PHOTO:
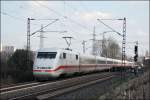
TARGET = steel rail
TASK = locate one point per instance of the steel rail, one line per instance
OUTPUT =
(52, 86)
(18, 86)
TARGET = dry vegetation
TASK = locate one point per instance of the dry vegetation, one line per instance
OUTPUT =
(135, 89)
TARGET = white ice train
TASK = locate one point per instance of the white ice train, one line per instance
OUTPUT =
(52, 62)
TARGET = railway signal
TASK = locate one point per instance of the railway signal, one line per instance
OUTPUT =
(135, 58)
(135, 49)
(136, 53)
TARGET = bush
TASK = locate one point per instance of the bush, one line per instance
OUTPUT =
(18, 67)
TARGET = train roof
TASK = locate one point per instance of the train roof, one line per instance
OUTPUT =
(70, 51)
(47, 49)
(56, 50)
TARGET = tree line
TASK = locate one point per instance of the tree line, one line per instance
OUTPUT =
(110, 49)
(14, 67)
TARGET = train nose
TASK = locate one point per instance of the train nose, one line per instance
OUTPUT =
(45, 74)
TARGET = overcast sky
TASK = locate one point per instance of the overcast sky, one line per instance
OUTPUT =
(77, 18)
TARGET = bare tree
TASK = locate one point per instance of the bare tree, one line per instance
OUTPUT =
(110, 48)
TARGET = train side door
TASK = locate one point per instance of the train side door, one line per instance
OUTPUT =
(77, 62)
(64, 58)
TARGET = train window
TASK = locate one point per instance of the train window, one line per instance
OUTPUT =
(76, 57)
(116, 62)
(50, 55)
(109, 62)
(64, 55)
(101, 62)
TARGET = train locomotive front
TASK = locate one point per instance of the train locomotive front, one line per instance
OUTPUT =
(46, 63)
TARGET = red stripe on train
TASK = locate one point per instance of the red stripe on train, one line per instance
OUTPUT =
(58, 68)
(76, 66)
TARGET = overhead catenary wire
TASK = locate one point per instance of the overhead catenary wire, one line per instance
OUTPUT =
(44, 27)
(14, 17)
(75, 9)
(77, 42)
(70, 28)
(65, 13)
(11, 13)
(109, 27)
(59, 14)
(22, 19)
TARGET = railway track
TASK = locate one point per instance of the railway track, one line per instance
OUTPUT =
(14, 84)
(14, 87)
(66, 89)
(50, 89)
(10, 87)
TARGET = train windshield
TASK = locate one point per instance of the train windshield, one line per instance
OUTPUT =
(50, 55)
